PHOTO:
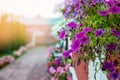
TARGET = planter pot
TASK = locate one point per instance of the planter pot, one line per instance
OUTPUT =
(80, 69)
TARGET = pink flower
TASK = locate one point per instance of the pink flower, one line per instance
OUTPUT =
(69, 78)
(52, 78)
(67, 66)
(57, 79)
(52, 70)
(49, 54)
(61, 70)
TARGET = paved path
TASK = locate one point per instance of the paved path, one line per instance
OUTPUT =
(31, 66)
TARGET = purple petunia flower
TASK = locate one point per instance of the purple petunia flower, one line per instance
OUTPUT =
(62, 34)
(118, 9)
(76, 45)
(109, 2)
(80, 34)
(99, 32)
(68, 9)
(113, 31)
(116, 33)
(74, 1)
(103, 13)
(81, 25)
(107, 66)
(114, 75)
(84, 39)
(114, 9)
(87, 30)
(66, 54)
(77, 7)
(94, 2)
(57, 61)
(72, 25)
(111, 46)
(115, 62)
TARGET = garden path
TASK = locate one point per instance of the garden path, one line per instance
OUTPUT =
(31, 66)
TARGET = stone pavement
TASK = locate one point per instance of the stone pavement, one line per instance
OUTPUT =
(31, 66)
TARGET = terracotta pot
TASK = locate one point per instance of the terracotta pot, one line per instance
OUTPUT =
(80, 68)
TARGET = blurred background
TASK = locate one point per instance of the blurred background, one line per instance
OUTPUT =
(26, 21)
(27, 35)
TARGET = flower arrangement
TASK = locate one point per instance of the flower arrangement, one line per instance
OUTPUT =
(58, 67)
(94, 28)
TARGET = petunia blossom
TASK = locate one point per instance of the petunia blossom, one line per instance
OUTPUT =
(94, 1)
(87, 29)
(68, 9)
(76, 45)
(109, 2)
(116, 33)
(57, 61)
(84, 40)
(107, 66)
(115, 62)
(72, 25)
(52, 70)
(75, 1)
(62, 34)
(69, 78)
(81, 25)
(80, 34)
(66, 54)
(61, 70)
(99, 32)
(114, 75)
(77, 7)
(111, 46)
(114, 9)
(67, 67)
(103, 13)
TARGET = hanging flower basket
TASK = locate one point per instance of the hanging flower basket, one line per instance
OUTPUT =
(95, 27)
